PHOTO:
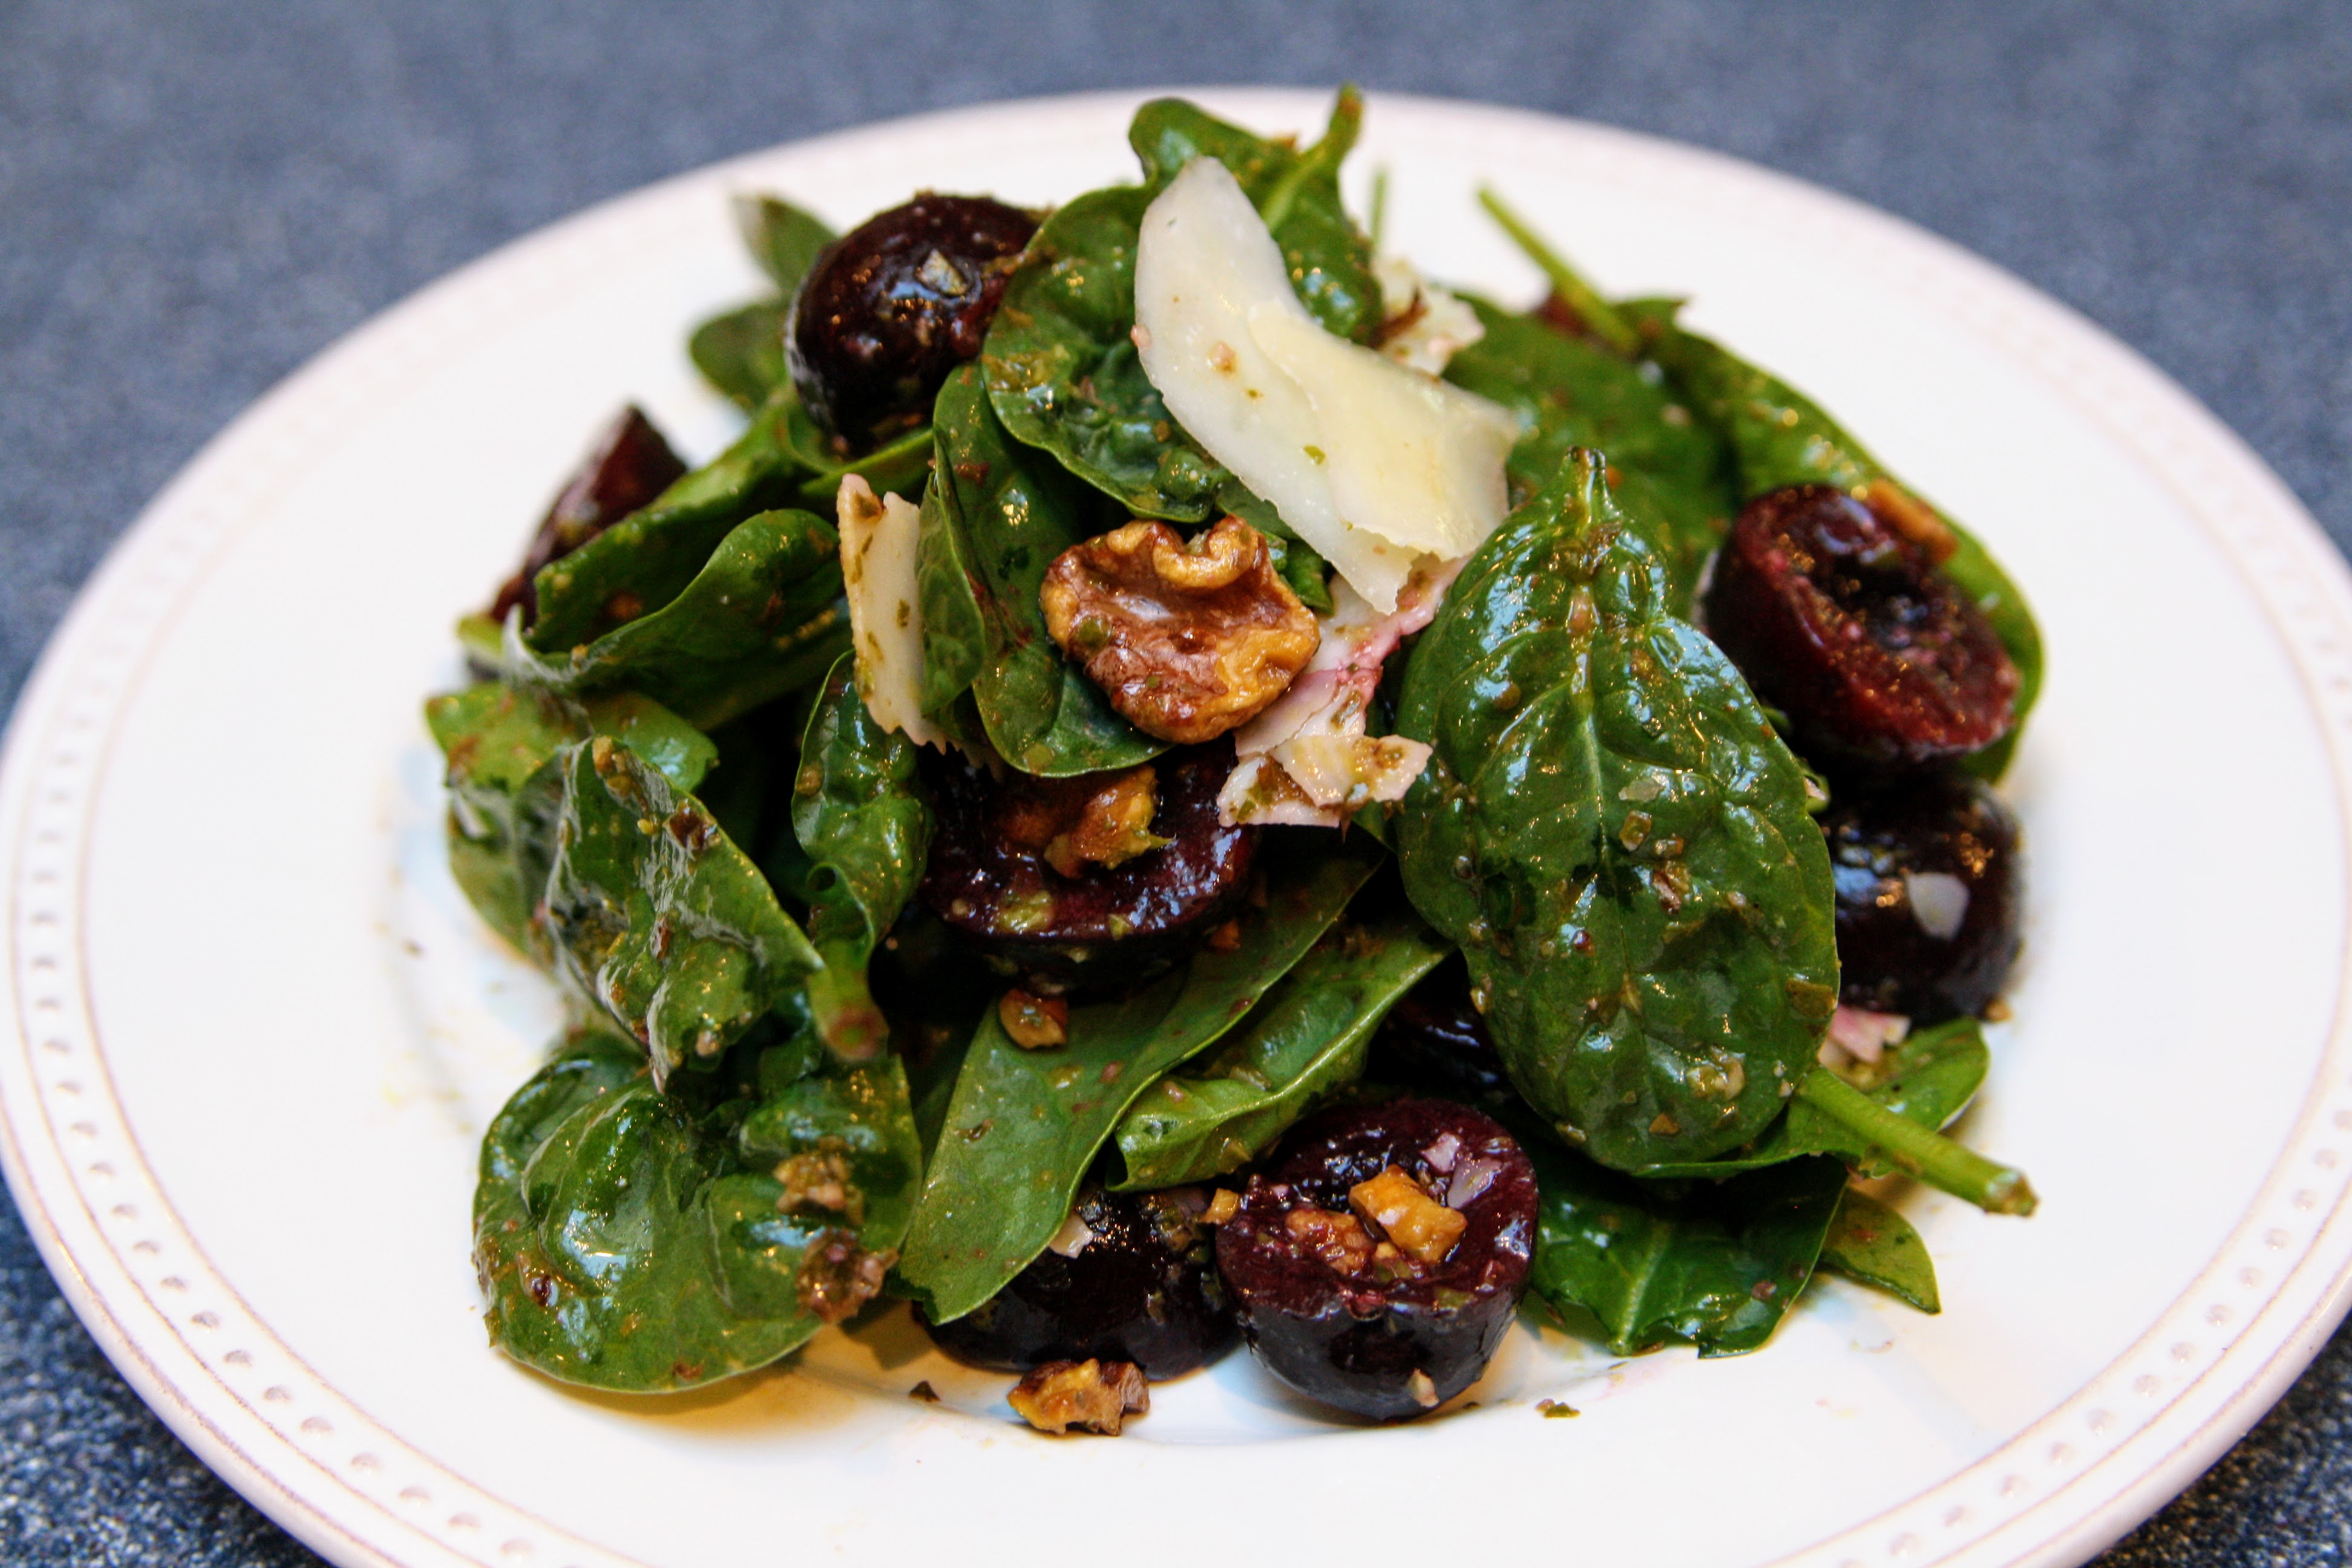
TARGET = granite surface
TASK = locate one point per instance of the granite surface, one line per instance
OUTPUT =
(194, 198)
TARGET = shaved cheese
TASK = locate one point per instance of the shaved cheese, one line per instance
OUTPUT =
(1374, 465)
(1423, 326)
(885, 618)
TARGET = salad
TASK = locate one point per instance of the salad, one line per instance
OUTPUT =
(1182, 786)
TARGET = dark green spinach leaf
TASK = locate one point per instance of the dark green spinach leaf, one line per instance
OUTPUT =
(636, 1241)
(1929, 1079)
(761, 619)
(1671, 468)
(499, 742)
(860, 816)
(658, 918)
(1616, 837)
(1869, 1242)
(1024, 1126)
(995, 516)
(1716, 1264)
(1781, 437)
(1304, 1042)
(742, 351)
(645, 559)
(783, 239)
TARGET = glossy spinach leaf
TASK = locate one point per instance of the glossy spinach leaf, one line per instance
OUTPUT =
(742, 352)
(1305, 1041)
(1869, 1242)
(859, 814)
(499, 742)
(761, 619)
(995, 516)
(1718, 1265)
(1930, 1077)
(1616, 837)
(1297, 192)
(658, 918)
(1780, 437)
(636, 1241)
(645, 559)
(901, 464)
(1023, 1127)
(1672, 471)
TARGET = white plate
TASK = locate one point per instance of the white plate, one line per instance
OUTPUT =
(257, 1034)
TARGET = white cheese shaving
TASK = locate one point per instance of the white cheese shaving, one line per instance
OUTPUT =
(1372, 464)
(1422, 325)
(885, 618)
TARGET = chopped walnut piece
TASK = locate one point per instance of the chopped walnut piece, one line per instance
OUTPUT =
(1092, 1395)
(1417, 1222)
(819, 1179)
(1033, 1023)
(1187, 638)
(1339, 1239)
(1113, 827)
(1101, 819)
(838, 1277)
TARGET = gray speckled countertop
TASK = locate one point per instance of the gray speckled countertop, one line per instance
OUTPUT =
(197, 198)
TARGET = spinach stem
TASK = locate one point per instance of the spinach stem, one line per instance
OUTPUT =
(1379, 218)
(1580, 296)
(1917, 1151)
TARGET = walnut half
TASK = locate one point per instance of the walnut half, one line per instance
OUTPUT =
(1188, 638)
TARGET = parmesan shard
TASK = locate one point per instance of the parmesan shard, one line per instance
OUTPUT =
(886, 617)
(1374, 465)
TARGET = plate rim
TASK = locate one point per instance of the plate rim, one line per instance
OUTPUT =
(2114, 1470)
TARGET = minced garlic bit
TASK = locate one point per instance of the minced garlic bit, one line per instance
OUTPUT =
(1424, 1391)
(1417, 1222)
(1091, 1396)
(1033, 1023)
(1222, 1207)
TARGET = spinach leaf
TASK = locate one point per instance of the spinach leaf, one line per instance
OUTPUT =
(646, 559)
(1781, 437)
(1869, 1242)
(499, 742)
(1298, 194)
(1929, 1079)
(1024, 1126)
(859, 814)
(899, 464)
(636, 1241)
(1674, 472)
(658, 918)
(1060, 360)
(1718, 1265)
(761, 619)
(742, 352)
(1615, 837)
(1306, 1040)
(782, 238)
(995, 516)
